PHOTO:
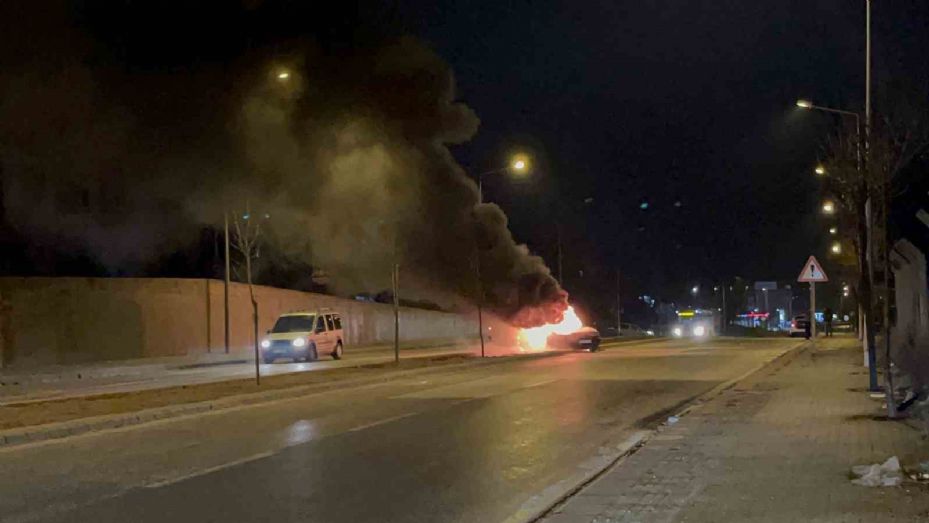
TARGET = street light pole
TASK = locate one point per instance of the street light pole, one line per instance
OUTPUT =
(395, 281)
(558, 234)
(226, 281)
(725, 318)
(866, 275)
(619, 303)
(477, 263)
(519, 163)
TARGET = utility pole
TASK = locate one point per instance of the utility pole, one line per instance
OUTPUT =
(813, 311)
(619, 304)
(885, 206)
(396, 291)
(869, 216)
(725, 320)
(226, 282)
(477, 265)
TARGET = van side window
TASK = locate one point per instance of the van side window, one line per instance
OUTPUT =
(338, 321)
(329, 322)
(321, 324)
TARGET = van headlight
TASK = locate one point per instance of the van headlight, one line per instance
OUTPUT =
(677, 331)
(265, 344)
(699, 330)
(299, 342)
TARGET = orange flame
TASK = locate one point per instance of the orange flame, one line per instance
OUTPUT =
(537, 337)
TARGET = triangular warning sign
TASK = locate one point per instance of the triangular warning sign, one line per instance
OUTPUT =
(812, 272)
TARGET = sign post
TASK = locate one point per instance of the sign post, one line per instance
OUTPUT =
(812, 273)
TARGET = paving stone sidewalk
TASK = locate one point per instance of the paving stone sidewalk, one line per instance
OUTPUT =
(777, 447)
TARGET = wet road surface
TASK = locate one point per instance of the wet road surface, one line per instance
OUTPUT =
(476, 444)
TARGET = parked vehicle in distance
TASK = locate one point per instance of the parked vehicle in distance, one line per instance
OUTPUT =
(799, 326)
(303, 336)
(585, 338)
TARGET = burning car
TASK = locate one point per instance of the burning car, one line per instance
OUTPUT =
(585, 338)
(569, 333)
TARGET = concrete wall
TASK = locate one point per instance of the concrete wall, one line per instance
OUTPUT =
(72, 320)
(910, 333)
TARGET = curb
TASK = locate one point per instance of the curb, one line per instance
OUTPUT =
(641, 438)
(58, 430)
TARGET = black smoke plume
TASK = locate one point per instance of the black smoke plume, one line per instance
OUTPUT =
(342, 149)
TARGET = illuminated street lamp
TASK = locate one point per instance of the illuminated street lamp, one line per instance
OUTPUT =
(695, 290)
(836, 248)
(283, 74)
(806, 104)
(828, 207)
(519, 164)
(833, 230)
(820, 170)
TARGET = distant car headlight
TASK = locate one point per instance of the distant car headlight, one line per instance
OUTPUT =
(299, 342)
(649, 332)
(677, 331)
(265, 344)
(699, 330)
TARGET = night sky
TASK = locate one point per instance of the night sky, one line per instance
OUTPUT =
(668, 101)
(664, 133)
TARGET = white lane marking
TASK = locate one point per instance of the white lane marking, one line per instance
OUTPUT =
(402, 416)
(208, 470)
(543, 382)
(383, 421)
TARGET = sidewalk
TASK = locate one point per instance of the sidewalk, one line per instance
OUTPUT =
(126, 375)
(141, 366)
(777, 447)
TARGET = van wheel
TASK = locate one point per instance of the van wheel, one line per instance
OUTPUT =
(337, 353)
(311, 354)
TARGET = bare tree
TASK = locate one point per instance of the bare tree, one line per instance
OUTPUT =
(849, 184)
(899, 133)
(246, 241)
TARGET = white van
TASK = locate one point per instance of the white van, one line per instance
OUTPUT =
(303, 336)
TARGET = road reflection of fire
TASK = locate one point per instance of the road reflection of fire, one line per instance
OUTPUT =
(537, 337)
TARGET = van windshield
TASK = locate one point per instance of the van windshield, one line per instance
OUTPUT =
(294, 324)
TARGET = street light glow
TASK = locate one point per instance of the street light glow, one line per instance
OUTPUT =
(806, 104)
(519, 163)
(828, 207)
(283, 75)
(695, 290)
(820, 170)
(836, 248)
(833, 230)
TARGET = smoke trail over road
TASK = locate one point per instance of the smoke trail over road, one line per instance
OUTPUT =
(345, 150)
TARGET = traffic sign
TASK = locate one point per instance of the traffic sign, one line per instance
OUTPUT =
(812, 272)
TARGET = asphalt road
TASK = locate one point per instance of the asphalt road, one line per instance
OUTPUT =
(480, 444)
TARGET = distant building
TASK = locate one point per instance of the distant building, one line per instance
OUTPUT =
(771, 306)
